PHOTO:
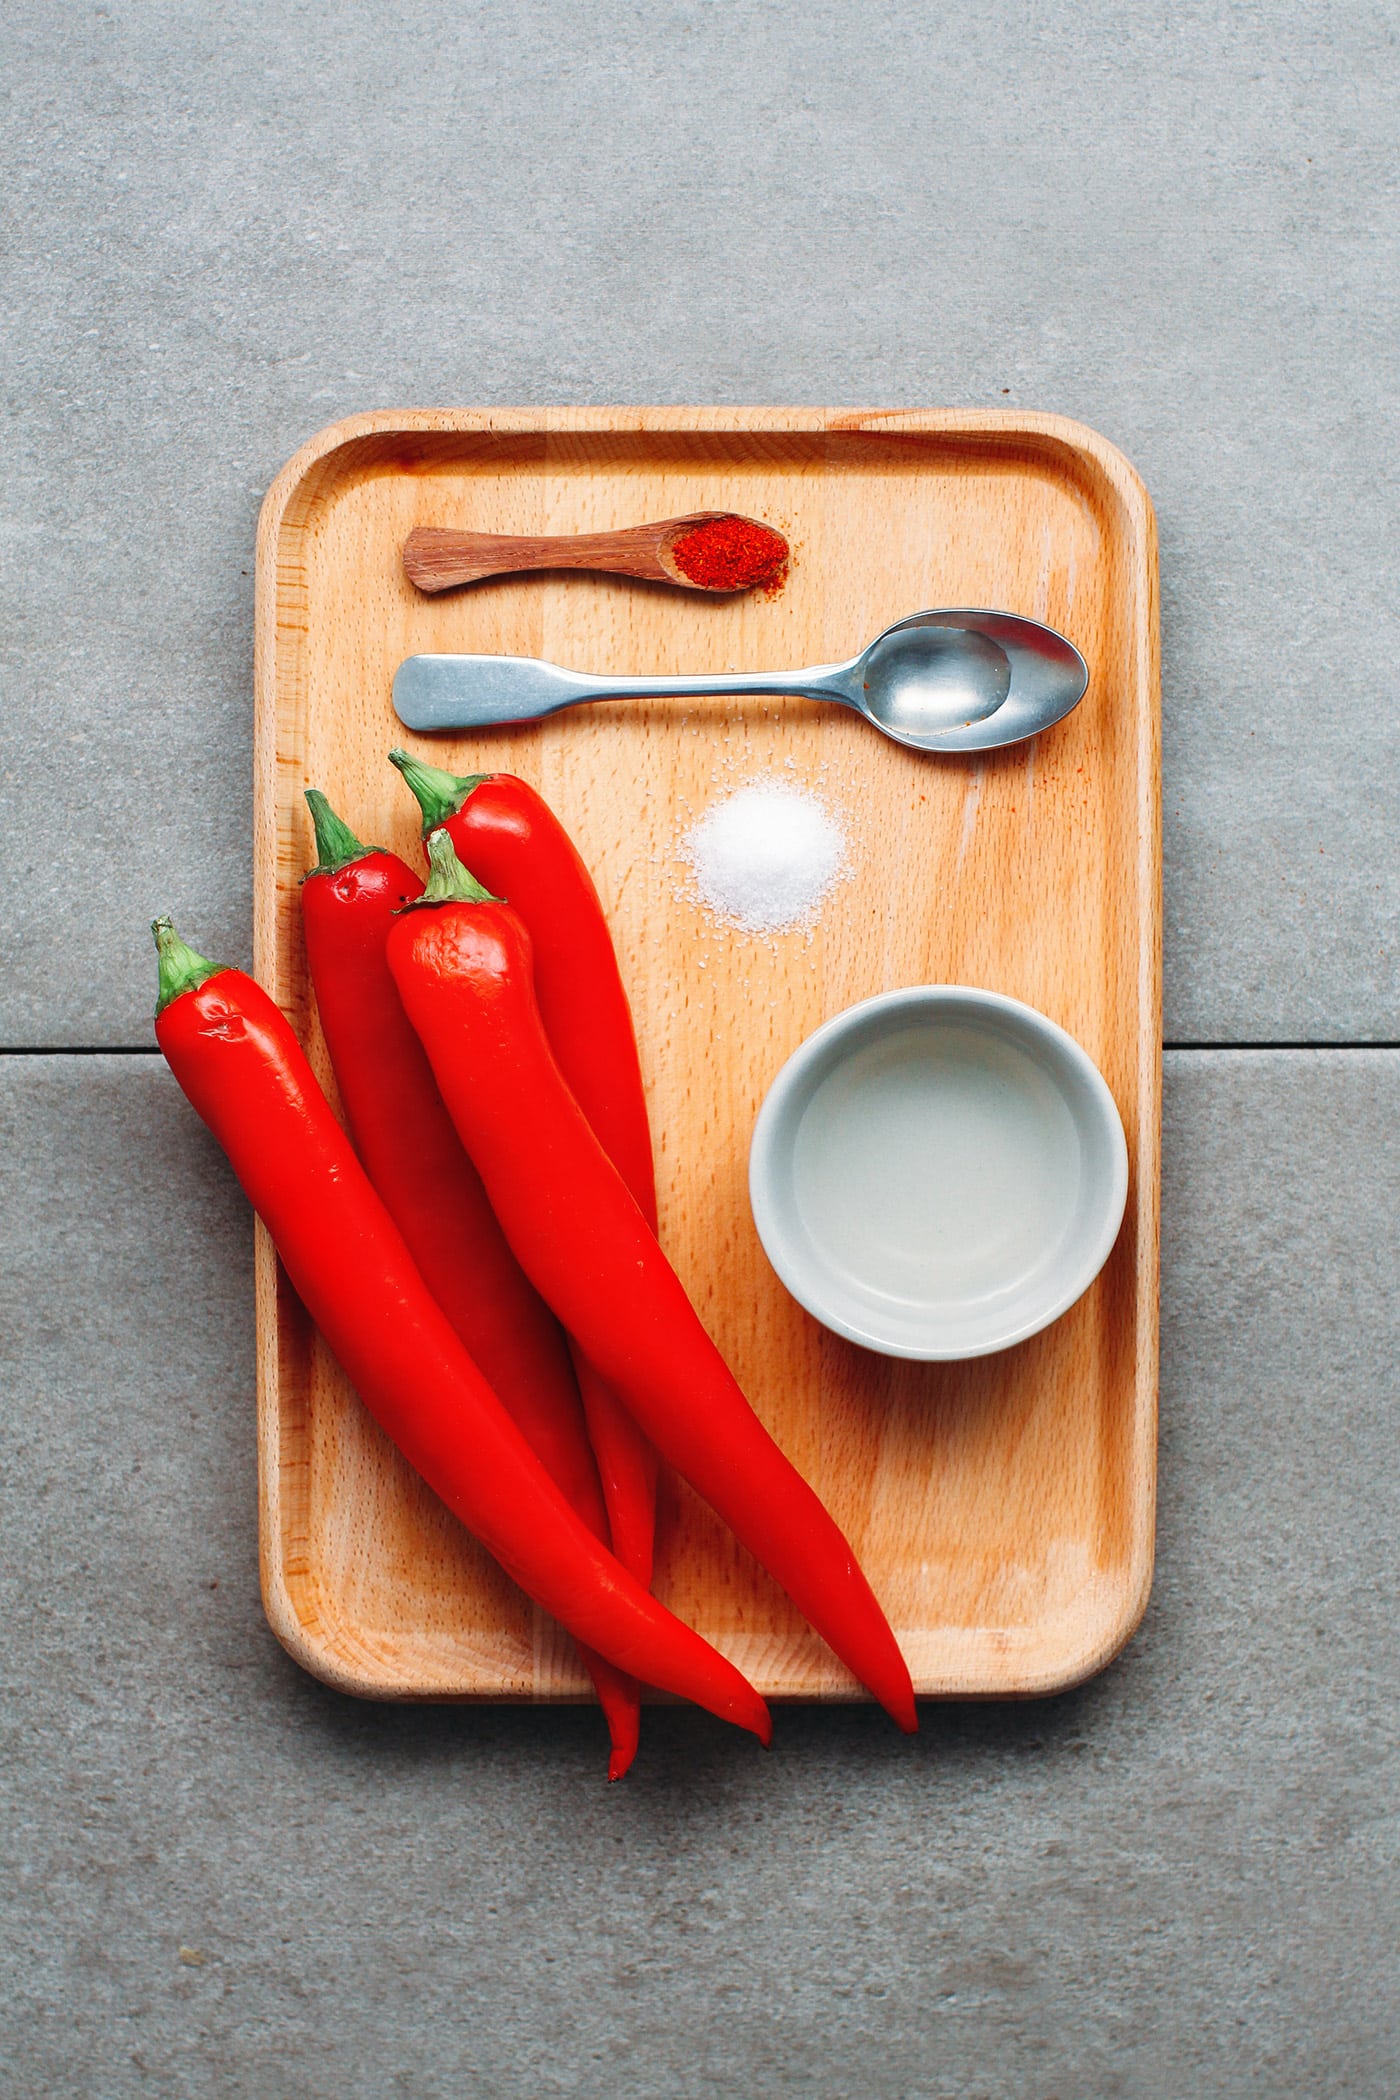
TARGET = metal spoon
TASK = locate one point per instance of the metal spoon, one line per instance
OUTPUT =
(938, 681)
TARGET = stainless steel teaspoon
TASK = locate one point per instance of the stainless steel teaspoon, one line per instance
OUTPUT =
(938, 681)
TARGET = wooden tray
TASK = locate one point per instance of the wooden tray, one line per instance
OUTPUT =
(1003, 1508)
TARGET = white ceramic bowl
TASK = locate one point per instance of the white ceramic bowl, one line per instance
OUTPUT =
(938, 1172)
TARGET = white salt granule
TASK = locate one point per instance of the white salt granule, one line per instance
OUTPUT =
(764, 858)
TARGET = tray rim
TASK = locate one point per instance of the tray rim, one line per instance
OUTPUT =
(300, 1635)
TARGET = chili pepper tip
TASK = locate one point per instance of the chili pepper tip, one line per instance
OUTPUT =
(897, 1698)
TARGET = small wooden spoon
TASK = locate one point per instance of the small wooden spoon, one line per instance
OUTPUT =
(436, 559)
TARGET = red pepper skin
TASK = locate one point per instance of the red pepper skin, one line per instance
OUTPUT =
(414, 1158)
(513, 843)
(626, 1468)
(243, 1070)
(464, 973)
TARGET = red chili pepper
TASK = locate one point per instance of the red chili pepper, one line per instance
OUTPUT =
(433, 1193)
(461, 960)
(512, 841)
(245, 1073)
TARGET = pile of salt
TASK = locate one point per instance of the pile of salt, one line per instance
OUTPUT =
(764, 858)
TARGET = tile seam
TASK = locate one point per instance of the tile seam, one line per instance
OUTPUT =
(20, 1050)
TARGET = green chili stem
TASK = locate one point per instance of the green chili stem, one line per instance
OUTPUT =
(182, 968)
(448, 881)
(440, 795)
(336, 844)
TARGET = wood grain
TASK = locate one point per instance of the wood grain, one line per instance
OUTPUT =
(1003, 1508)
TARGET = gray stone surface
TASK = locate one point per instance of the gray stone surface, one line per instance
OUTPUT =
(1181, 1880)
(226, 226)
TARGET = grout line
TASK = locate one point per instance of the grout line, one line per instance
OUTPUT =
(79, 1050)
(1382, 1044)
(153, 1049)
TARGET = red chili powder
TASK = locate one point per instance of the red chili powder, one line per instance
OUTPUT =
(732, 554)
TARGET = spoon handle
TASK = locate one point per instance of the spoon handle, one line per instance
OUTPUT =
(484, 692)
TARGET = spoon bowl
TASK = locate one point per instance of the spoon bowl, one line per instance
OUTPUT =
(919, 681)
(968, 680)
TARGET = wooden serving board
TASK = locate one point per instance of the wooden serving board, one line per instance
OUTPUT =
(1003, 1508)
